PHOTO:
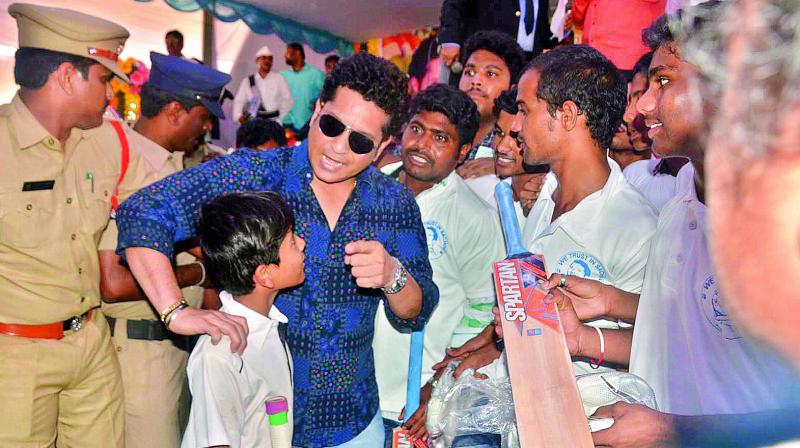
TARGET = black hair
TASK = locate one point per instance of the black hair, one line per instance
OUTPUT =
(377, 80)
(581, 74)
(298, 47)
(176, 34)
(333, 57)
(239, 232)
(658, 33)
(501, 44)
(32, 66)
(257, 131)
(506, 102)
(154, 100)
(642, 66)
(459, 109)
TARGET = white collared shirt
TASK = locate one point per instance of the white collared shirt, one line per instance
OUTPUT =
(464, 239)
(685, 345)
(275, 95)
(658, 188)
(483, 187)
(229, 391)
(606, 237)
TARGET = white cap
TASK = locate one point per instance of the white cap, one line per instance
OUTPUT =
(264, 51)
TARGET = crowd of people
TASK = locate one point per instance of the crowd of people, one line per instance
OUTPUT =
(655, 169)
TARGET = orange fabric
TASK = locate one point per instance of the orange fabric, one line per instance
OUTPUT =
(47, 331)
(614, 27)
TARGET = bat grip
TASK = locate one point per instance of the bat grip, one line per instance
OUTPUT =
(508, 218)
(414, 373)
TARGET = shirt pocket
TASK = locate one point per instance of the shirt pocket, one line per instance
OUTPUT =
(26, 219)
(96, 203)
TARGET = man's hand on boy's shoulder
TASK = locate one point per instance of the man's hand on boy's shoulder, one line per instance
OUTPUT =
(370, 264)
(192, 321)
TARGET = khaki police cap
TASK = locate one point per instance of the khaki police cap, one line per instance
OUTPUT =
(70, 32)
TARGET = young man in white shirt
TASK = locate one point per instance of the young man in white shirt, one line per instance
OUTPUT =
(588, 221)
(684, 345)
(251, 252)
(464, 239)
(263, 94)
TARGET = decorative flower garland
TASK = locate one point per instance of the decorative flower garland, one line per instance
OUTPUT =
(126, 99)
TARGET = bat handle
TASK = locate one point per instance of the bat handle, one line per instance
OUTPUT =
(508, 218)
(414, 373)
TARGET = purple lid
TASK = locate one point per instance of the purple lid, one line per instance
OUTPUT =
(277, 405)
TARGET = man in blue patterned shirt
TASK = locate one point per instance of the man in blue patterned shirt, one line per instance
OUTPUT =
(365, 242)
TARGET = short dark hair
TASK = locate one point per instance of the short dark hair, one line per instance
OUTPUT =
(377, 80)
(176, 34)
(506, 102)
(669, 29)
(658, 33)
(581, 74)
(459, 109)
(298, 47)
(239, 232)
(501, 44)
(333, 57)
(32, 66)
(642, 66)
(154, 100)
(254, 133)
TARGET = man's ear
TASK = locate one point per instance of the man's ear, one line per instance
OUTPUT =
(264, 276)
(174, 112)
(65, 77)
(381, 147)
(569, 115)
(463, 151)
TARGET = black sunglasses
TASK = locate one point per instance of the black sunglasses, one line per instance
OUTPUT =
(332, 127)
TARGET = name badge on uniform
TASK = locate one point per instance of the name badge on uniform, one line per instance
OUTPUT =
(38, 185)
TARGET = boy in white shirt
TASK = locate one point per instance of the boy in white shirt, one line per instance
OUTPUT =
(251, 253)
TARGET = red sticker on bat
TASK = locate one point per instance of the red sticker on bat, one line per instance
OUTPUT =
(518, 283)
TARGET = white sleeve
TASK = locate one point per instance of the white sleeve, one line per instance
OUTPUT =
(241, 99)
(286, 101)
(217, 414)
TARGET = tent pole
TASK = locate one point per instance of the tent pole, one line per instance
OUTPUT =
(208, 39)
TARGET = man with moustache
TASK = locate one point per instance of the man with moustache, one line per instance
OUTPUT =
(364, 243)
(464, 239)
(653, 177)
(684, 346)
(152, 360)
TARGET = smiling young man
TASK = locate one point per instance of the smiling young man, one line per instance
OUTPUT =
(464, 238)
(365, 243)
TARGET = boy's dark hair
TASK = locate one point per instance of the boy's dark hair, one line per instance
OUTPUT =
(501, 44)
(154, 100)
(333, 57)
(298, 47)
(459, 109)
(506, 102)
(581, 74)
(642, 66)
(176, 34)
(239, 232)
(257, 131)
(32, 66)
(669, 29)
(377, 80)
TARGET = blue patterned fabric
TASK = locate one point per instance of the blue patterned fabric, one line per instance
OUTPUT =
(262, 22)
(331, 320)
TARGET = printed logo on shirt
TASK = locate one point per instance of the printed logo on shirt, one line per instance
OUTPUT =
(437, 239)
(712, 308)
(581, 264)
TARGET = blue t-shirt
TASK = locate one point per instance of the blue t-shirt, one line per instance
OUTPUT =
(306, 86)
(331, 319)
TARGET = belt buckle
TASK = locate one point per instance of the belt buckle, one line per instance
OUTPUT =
(76, 323)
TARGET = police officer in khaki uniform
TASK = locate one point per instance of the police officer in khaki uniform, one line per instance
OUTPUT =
(173, 122)
(60, 167)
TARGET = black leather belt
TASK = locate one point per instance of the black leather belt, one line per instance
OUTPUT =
(143, 330)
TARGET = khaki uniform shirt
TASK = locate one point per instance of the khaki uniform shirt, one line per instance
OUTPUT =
(158, 164)
(49, 270)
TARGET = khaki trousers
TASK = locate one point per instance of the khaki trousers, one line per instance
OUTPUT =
(65, 393)
(153, 377)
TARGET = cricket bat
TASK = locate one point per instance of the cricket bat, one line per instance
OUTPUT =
(547, 404)
(413, 385)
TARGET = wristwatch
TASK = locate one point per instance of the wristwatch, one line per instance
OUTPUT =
(400, 280)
